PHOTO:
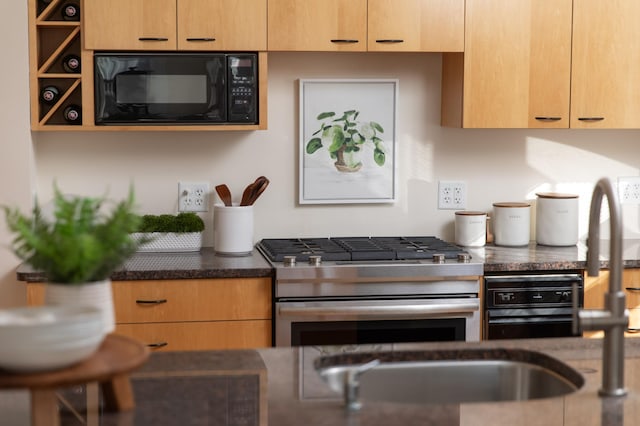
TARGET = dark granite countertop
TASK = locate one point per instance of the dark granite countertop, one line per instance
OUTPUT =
(174, 266)
(279, 387)
(206, 264)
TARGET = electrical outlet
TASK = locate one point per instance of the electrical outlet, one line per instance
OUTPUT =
(193, 196)
(452, 195)
(629, 189)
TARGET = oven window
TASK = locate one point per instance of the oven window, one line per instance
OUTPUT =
(384, 331)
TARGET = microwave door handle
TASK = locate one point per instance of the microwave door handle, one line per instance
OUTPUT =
(407, 311)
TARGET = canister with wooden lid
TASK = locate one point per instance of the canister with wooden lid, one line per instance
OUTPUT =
(556, 219)
(511, 223)
(471, 228)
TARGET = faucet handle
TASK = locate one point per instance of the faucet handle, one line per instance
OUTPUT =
(352, 384)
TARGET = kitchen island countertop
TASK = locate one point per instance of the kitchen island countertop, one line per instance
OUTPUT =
(280, 386)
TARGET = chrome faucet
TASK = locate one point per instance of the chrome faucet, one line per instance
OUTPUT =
(615, 317)
(351, 385)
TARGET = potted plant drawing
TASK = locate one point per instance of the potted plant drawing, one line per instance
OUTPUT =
(77, 247)
(345, 137)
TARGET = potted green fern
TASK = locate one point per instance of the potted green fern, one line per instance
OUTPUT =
(77, 248)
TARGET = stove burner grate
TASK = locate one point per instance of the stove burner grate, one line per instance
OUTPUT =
(359, 248)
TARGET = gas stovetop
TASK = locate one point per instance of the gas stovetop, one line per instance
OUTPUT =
(358, 248)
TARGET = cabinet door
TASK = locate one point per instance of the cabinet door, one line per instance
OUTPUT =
(222, 24)
(416, 25)
(516, 66)
(130, 24)
(605, 90)
(317, 25)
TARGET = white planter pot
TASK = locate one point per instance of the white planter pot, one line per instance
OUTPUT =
(97, 293)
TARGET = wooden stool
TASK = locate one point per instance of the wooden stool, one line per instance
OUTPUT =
(109, 366)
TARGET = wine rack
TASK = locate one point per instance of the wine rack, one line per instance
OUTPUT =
(52, 39)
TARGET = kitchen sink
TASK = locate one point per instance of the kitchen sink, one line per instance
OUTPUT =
(451, 377)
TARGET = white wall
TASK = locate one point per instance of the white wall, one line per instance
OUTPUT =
(15, 139)
(498, 165)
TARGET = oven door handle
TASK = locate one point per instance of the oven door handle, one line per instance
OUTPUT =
(409, 310)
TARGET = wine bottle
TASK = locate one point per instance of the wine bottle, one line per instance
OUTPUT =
(73, 114)
(49, 94)
(70, 11)
(71, 63)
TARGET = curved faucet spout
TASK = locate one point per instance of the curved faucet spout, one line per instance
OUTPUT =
(615, 317)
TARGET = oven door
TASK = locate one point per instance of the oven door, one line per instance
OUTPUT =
(344, 322)
(523, 324)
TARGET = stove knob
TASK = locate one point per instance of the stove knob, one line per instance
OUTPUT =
(464, 257)
(315, 260)
(438, 258)
(289, 260)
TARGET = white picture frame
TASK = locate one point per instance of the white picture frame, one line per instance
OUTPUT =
(354, 162)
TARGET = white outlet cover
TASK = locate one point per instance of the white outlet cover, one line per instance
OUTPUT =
(452, 195)
(193, 196)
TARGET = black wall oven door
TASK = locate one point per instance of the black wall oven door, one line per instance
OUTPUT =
(530, 305)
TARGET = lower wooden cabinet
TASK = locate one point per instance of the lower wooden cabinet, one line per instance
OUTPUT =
(198, 314)
(596, 287)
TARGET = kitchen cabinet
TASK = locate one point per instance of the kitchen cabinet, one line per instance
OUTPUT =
(52, 40)
(358, 25)
(198, 314)
(415, 25)
(605, 88)
(515, 71)
(596, 287)
(175, 24)
(317, 25)
(545, 64)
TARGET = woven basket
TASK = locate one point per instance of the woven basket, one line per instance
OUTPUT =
(169, 241)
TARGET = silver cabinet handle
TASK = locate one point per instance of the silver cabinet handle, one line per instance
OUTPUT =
(366, 311)
(151, 302)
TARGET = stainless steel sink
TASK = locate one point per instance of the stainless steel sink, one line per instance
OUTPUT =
(463, 376)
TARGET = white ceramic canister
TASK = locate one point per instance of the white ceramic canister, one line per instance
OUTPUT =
(471, 228)
(556, 219)
(511, 223)
(233, 230)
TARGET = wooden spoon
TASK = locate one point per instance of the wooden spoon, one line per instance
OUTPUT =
(259, 186)
(225, 194)
(246, 194)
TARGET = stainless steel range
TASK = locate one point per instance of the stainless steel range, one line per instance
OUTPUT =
(359, 290)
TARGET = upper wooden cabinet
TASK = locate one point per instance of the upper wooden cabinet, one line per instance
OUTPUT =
(175, 24)
(545, 64)
(361, 25)
(317, 25)
(515, 72)
(415, 25)
(605, 83)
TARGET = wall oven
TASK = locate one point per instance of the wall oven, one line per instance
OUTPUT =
(175, 88)
(344, 291)
(530, 305)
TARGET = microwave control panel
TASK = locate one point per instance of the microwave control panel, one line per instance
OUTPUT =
(243, 88)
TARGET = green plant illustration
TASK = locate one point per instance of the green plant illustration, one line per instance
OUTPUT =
(345, 136)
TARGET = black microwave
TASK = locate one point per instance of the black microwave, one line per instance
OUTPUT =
(176, 88)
